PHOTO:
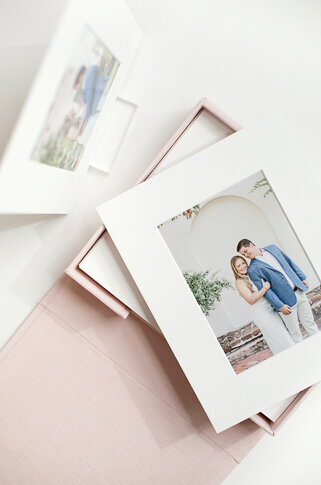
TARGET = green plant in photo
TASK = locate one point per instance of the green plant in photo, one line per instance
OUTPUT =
(206, 288)
(262, 183)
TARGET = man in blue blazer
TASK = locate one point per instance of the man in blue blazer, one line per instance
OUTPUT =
(288, 285)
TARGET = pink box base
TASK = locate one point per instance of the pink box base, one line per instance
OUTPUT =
(88, 397)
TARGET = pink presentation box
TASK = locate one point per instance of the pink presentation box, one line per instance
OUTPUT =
(74, 271)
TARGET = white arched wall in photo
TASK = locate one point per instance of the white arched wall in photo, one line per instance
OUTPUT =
(215, 232)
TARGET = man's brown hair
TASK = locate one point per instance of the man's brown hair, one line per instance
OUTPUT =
(243, 243)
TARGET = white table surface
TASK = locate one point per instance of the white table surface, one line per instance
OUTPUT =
(250, 58)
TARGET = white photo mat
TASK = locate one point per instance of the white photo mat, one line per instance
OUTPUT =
(268, 146)
(27, 186)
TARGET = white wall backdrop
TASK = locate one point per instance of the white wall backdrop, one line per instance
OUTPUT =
(209, 240)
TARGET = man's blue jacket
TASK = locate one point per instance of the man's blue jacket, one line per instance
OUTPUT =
(281, 292)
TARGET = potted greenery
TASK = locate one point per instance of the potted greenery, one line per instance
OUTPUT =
(206, 288)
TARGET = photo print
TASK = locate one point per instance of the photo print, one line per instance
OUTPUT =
(77, 104)
(248, 271)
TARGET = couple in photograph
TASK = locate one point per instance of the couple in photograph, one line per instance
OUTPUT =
(275, 288)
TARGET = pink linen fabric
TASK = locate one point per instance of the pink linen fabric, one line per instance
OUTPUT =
(88, 397)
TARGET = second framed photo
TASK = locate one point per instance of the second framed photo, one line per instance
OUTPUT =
(64, 120)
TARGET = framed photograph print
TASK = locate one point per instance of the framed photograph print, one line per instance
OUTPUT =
(66, 114)
(222, 250)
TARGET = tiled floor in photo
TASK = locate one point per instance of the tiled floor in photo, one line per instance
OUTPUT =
(252, 360)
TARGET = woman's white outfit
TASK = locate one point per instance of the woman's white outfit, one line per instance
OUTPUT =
(271, 325)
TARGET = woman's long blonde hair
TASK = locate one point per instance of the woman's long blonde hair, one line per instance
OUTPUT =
(239, 276)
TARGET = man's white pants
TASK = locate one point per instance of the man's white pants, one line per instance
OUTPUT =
(301, 312)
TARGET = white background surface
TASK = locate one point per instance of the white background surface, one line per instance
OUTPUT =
(250, 58)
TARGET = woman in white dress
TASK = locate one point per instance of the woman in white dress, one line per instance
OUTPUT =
(265, 317)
